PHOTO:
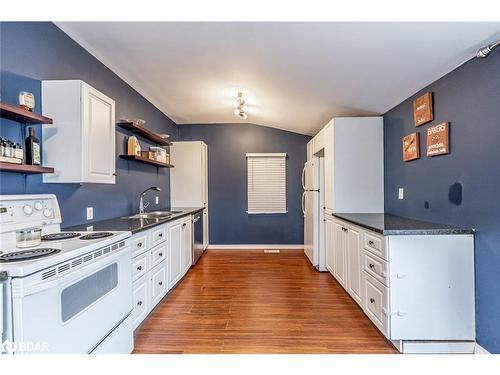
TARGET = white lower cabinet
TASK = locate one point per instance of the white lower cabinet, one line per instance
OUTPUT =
(175, 239)
(158, 283)
(376, 301)
(161, 257)
(353, 263)
(418, 290)
(339, 253)
(329, 245)
(141, 300)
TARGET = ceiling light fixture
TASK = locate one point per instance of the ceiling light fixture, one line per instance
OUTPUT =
(241, 108)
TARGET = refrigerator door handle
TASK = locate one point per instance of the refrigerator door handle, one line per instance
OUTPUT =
(304, 177)
(304, 203)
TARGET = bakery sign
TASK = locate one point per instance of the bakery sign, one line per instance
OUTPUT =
(438, 139)
(411, 147)
(422, 109)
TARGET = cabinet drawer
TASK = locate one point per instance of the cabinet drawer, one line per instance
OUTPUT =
(158, 283)
(158, 254)
(139, 245)
(141, 300)
(376, 303)
(375, 244)
(376, 267)
(158, 235)
(139, 266)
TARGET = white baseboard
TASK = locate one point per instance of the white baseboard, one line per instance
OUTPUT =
(254, 247)
(478, 349)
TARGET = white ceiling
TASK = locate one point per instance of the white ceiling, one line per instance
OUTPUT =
(296, 75)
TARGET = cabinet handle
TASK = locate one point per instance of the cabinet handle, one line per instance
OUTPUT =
(372, 265)
(160, 255)
(139, 303)
(139, 244)
(160, 283)
(372, 300)
(139, 268)
(183, 225)
(160, 235)
(371, 242)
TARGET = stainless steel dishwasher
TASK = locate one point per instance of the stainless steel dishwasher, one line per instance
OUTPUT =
(197, 236)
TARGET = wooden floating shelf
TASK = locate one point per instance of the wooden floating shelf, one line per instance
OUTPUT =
(24, 168)
(145, 133)
(18, 114)
(147, 161)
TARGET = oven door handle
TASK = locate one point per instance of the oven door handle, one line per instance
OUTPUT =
(40, 288)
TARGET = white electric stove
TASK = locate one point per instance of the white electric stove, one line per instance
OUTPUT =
(72, 293)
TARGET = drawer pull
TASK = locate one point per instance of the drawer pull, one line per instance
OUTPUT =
(370, 242)
(160, 255)
(139, 244)
(372, 265)
(183, 225)
(160, 235)
(160, 283)
(372, 300)
(139, 303)
(139, 268)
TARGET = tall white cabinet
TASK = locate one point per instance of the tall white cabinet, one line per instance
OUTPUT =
(353, 151)
(189, 178)
(80, 144)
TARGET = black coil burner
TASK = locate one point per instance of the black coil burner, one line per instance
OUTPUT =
(21, 255)
(96, 235)
(60, 236)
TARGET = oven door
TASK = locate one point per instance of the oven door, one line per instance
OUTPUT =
(74, 311)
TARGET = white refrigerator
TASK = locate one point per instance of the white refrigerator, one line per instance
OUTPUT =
(311, 208)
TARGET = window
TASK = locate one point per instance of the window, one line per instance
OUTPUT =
(266, 183)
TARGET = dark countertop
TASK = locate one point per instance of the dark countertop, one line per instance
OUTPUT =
(388, 224)
(134, 225)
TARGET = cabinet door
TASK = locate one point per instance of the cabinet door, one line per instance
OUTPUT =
(339, 249)
(353, 247)
(187, 242)
(141, 300)
(158, 284)
(98, 116)
(329, 245)
(174, 257)
(204, 171)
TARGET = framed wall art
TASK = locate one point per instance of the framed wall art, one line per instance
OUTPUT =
(411, 147)
(422, 109)
(438, 139)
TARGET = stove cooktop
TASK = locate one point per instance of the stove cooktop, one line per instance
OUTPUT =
(28, 254)
(60, 236)
(96, 235)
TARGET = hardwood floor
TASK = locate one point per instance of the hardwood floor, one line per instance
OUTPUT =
(252, 302)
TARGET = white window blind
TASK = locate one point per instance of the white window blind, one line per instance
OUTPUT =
(266, 183)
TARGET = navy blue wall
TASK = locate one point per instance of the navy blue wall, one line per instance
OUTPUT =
(227, 179)
(31, 52)
(469, 98)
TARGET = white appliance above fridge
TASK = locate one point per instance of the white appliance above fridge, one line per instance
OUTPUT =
(311, 209)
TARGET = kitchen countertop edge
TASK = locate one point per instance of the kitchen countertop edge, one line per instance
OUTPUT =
(134, 226)
(432, 229)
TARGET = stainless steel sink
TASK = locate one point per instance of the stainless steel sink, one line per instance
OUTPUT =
(152, 215)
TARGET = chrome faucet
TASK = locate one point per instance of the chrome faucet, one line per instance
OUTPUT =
(142, 206)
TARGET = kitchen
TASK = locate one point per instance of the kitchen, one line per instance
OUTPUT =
(138, 220)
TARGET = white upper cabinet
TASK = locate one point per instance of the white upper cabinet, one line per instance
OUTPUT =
(189, 178)
(353, 151)
(80, 144)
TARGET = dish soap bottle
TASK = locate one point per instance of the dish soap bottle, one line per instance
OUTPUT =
(32, 148)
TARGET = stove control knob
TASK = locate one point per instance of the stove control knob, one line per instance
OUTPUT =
(47, 212)
(27, 209)
(38, 205)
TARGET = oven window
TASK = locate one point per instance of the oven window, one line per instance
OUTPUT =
(79, 296)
